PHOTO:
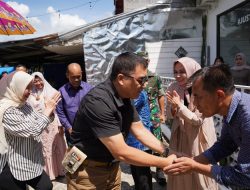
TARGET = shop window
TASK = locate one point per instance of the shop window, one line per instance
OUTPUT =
(233, 28)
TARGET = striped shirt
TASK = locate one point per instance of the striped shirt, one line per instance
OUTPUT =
(23, 128)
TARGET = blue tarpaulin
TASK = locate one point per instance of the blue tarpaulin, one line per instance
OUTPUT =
(7, 69)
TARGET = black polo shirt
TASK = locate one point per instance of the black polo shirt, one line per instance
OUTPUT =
(102, 113)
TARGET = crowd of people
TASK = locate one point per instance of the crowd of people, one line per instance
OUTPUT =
(120, 120)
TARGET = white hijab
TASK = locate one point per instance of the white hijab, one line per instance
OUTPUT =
(244, 63)
(39, 97)
(12, 88)
(48, 90)
(46, 93)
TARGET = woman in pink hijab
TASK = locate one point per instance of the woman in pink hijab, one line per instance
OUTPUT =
(191, 133)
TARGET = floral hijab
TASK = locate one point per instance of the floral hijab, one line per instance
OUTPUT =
(39, 97)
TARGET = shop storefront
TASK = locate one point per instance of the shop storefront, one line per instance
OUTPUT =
(233, 28)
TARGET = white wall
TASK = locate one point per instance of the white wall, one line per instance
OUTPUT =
(162, 54)
(130, 5)
(218, 8)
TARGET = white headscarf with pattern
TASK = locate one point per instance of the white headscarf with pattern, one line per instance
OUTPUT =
(44, 94)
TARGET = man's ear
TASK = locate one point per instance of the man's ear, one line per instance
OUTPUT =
(120, 79)
(67, 75)
(220, 94)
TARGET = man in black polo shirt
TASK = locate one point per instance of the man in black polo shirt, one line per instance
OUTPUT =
(104, 118)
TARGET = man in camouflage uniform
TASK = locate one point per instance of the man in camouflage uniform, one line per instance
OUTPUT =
(156, 101)
(156, 97)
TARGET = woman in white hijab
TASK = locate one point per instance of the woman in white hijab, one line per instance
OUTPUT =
(240, 70)
(21, 160)
(191, 133)
(54, 145)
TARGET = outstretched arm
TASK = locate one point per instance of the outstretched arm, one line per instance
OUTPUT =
(186, 165)
(121, 151)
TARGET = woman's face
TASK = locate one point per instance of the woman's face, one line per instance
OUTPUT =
(218, 61)
(180, 74)
(27, 92)
(238, 60)
(38, 83)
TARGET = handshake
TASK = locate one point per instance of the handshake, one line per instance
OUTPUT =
(178, 164)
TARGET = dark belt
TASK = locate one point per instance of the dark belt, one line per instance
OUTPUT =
(93, 163)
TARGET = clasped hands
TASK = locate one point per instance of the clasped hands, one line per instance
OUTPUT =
(180, 165)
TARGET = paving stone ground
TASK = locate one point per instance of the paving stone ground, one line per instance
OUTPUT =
(127, 181)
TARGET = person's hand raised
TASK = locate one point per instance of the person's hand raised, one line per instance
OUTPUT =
(51, 104)
(174, 98)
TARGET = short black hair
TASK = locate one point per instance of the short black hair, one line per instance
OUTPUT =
(219, 58)
(125, 63)
(215, 77)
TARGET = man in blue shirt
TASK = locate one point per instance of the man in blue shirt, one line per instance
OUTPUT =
(71, 94)
(141, 174)
(214, 93)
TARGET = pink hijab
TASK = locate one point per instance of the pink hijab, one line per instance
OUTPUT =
(190, 65)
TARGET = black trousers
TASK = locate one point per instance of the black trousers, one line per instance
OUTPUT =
(142, 176)
(8, 182)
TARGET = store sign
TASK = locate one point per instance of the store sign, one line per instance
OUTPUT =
(243, 19)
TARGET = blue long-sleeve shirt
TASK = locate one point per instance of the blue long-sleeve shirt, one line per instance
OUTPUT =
(235, 134)
(143, 109)
(66, 109)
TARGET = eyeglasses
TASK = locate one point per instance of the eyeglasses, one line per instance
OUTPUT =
(141, 80)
